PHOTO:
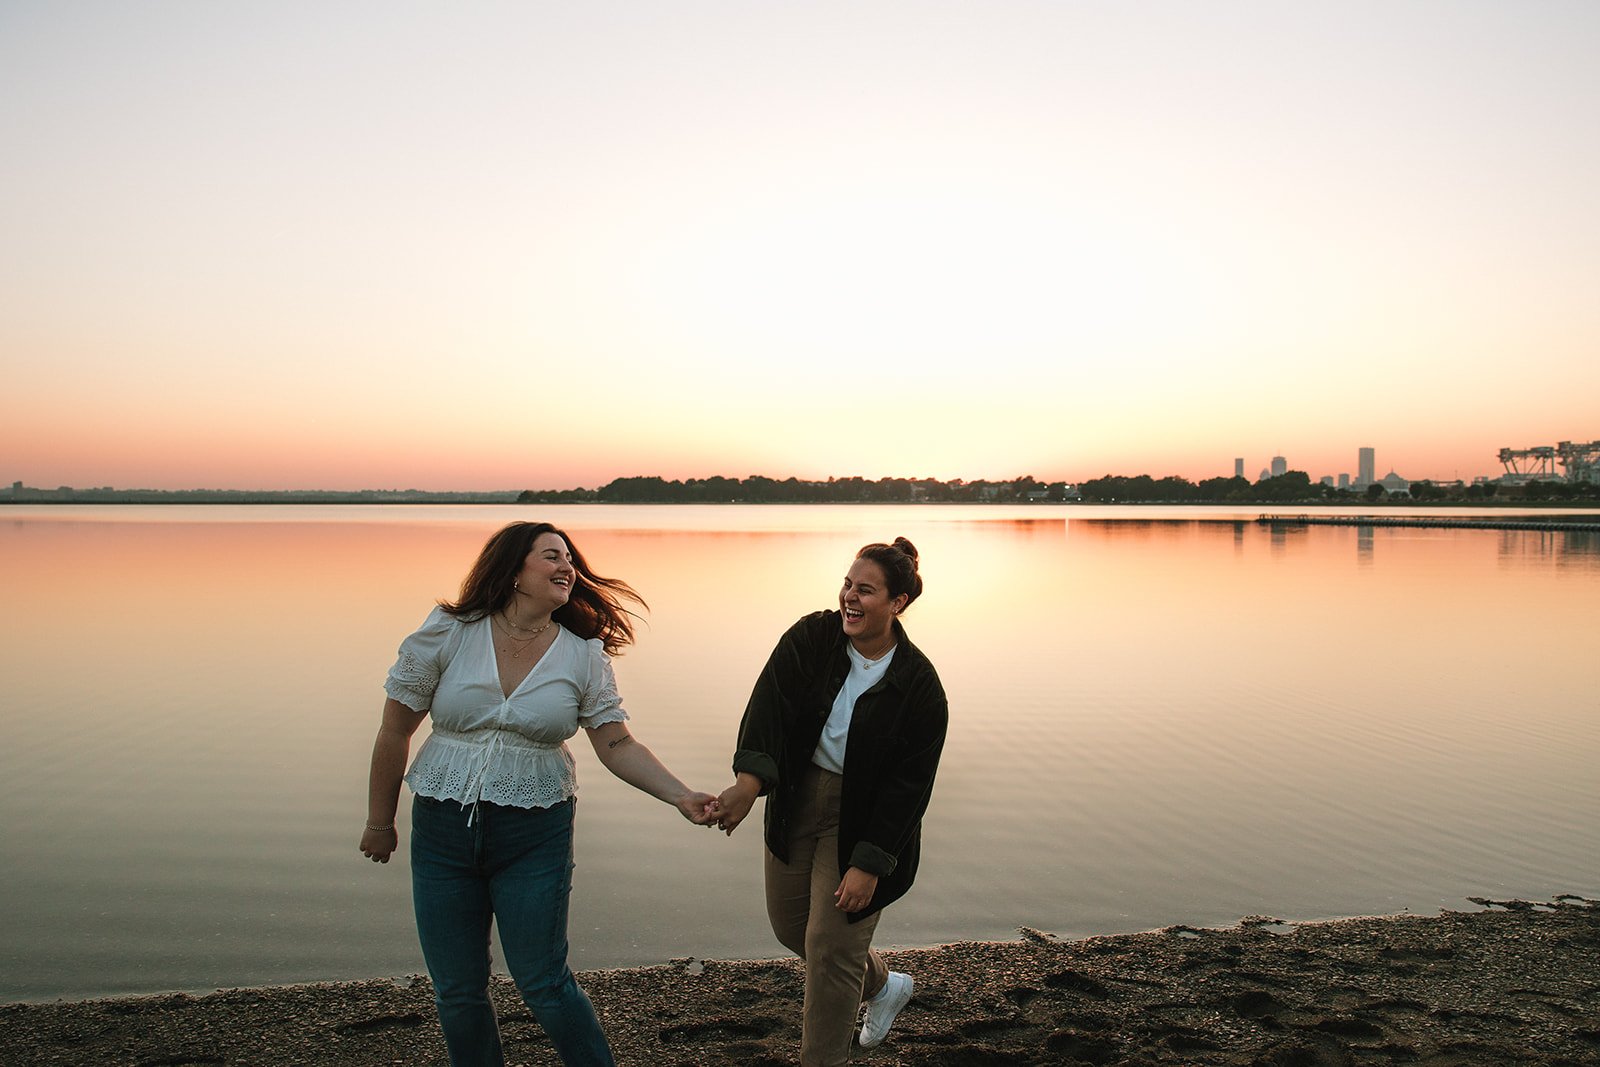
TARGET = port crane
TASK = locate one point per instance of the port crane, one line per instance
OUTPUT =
(1579, 462)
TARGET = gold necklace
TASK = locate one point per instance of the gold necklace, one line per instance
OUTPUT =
(872, 661)
(526, 642)
(507, 621)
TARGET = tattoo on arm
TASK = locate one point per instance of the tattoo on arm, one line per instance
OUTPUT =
(624, 739)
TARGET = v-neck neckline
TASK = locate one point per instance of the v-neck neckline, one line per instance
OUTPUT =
(494, 658)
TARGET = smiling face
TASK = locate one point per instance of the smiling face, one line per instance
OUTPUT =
(868, 608)
(547, 576)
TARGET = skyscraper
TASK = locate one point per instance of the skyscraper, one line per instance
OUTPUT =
(1238, 467)
(1279, 466)
(1366, 468)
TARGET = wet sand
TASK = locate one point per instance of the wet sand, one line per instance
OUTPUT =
(1515, 983)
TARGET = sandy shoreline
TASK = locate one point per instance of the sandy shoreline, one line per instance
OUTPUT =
(1515, 983)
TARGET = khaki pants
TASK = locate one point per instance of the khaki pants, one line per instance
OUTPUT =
(840, 962)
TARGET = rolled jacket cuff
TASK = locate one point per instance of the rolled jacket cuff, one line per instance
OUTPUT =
(763, 766)
(872, 859)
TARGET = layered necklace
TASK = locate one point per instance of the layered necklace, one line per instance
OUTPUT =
(522, 644)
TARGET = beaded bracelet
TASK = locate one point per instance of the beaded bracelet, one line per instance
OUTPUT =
(380, 829)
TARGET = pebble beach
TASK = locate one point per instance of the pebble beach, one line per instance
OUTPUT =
(1510, 982)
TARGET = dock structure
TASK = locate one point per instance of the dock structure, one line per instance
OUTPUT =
(1585, 524)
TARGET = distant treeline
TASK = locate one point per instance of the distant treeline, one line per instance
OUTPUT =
(1290, 488)
(760, 490)
(1295, 486)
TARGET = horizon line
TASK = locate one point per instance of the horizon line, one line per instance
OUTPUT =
(18, 484)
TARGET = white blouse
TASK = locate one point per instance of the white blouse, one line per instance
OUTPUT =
(486, 745)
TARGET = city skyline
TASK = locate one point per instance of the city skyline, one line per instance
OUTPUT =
(548, 246)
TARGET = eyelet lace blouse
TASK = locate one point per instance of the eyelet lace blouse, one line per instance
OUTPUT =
(486, 745)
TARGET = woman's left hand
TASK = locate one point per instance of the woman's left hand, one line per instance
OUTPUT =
(855, 891)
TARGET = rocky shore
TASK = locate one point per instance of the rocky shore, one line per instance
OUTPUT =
(1514, 983)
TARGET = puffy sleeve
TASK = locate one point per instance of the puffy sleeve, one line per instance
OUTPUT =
(601, 703)
(422, 659)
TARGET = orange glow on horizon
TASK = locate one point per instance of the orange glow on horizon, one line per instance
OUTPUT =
(1047, 240)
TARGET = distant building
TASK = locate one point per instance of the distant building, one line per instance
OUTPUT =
(1327, 480)
(1393, 483)
(1366, 467)
(1344, 481)
(1238, 467)
(1280, 466)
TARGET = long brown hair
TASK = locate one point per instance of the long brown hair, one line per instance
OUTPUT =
(593, 609)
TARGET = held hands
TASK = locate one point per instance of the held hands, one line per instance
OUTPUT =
(699, 808)
(735, 802)
(855, 890)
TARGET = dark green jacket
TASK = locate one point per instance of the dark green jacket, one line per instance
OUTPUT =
(891, 754)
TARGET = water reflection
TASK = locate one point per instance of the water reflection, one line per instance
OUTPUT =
(1154, 722)
(1567, 548)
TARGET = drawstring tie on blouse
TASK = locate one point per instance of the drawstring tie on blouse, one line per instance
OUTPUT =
(496, 742)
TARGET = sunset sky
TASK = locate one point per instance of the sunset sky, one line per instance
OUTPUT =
(489, 246)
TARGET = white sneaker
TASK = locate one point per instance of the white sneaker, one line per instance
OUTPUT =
(882, 1009)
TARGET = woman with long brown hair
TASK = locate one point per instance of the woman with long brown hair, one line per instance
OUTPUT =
(508, 672)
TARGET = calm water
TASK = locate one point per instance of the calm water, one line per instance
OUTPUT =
(1153, 722)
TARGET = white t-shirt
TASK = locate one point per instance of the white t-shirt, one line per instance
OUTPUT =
(864, 674)
(486, 745)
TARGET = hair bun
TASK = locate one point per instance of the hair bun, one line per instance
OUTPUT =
(899, 564)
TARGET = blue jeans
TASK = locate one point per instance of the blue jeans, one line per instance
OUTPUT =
(512, 866)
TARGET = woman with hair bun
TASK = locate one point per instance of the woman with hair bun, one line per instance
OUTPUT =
(842, 735)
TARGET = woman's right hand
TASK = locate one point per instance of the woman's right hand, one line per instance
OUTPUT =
(383, 785)
(736, 801)
(379, 845)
